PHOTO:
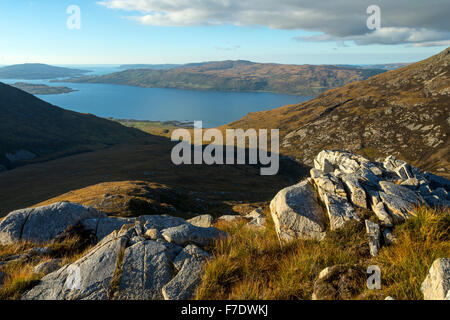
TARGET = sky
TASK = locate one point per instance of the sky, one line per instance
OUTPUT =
(183, 31)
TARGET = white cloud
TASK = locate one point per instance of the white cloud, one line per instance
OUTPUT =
(390, 35)
(415, 22)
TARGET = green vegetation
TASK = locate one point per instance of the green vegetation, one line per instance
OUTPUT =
(239, 76)
(41, 88)
(159, 128)
(251, 264)
(31, 71)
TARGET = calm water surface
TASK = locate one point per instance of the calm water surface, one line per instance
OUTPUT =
(127, 102)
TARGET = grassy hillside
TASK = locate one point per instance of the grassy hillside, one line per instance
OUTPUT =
(41, 88)
(239, 76)
(32, 125)
(30, 71)
(404, 112)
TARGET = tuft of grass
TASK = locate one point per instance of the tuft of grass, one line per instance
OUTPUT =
(114, 285)
(20, 276)
(405, 265)
(250, 264)
(19, 279)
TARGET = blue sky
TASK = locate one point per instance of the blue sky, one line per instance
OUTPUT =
(36, 31)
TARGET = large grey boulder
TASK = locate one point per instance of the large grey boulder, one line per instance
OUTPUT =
(87, 278)
(187, 233)
(47, 267)
(106, 226)
(146, 269)
(356, 192)
(230, 218)
(184, 284)
(296, 213)
(331, 184)
(400, 192)
(126, 265)
(339, 210)
(11, 226)
(204, 221)
(160, 222)
(437, 283)
(399, 209)
(329, 160)
(380, 211)
(42, 224)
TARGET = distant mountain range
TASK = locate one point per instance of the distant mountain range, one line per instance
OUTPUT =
(33, 130)
(405, 112)
(34, 71)
(150, 66)
(387, 66)
(239, 76)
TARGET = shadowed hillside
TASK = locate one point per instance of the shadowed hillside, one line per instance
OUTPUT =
(33, 130)
(403, 112)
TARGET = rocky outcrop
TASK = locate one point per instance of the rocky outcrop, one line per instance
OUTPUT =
(204, 221)
(391, 188)
(187, 233)
(257, 219)
(437, 283)
(146, 269)
(190, 264)
(143, 258)
(345, 184)
(87, 278)
(48, 266)
(42, 224)
(297, 214)
(127, 265)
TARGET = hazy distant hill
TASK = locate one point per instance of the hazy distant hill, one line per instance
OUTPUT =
(41, 88)
(31, 71)
(386, 66)
(405, 112)
(31, 129)
(239, 76)
(149, 66)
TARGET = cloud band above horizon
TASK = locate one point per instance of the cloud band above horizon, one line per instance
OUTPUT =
(414, 22)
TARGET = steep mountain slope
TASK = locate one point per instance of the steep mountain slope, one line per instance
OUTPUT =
(403, 112)
(239, 76)
(31, 71)
(31, 129)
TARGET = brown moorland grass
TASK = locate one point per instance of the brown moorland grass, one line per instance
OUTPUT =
(20, 276)
(251, 265)
(147, 161)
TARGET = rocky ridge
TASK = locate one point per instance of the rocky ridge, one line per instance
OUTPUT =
(342, 184)
(404, 112)
(162, 257)
(142, 258)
